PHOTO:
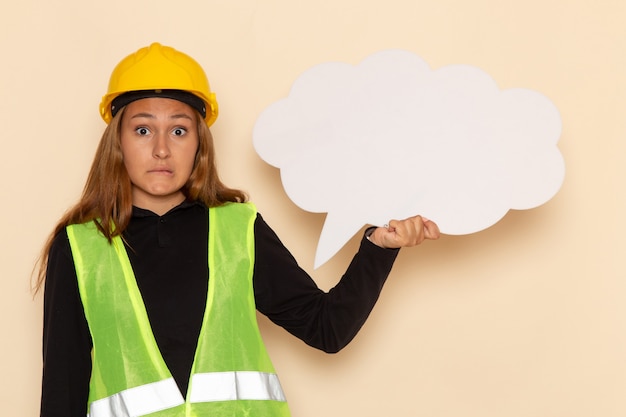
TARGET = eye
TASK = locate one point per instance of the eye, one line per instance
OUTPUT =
(179, 131)
(142, 131)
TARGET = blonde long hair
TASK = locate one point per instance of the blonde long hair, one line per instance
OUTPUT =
(107, 201)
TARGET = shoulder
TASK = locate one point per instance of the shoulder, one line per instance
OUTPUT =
(60, 272)
(242, 209)
(60, 245)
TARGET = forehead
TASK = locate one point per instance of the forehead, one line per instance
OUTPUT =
(158, 106)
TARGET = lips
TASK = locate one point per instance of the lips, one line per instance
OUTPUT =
(161, 170)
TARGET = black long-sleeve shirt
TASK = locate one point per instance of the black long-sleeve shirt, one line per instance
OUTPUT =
(169, 258)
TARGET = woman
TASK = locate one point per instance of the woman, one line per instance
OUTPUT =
(134, 321)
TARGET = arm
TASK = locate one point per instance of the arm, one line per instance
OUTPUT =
(327, 321)
(66, 338)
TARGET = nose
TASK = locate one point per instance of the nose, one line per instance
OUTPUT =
(161, 148)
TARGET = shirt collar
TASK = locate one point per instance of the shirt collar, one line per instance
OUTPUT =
(140, 212)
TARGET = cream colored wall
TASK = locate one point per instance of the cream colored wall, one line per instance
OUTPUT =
(524, 319)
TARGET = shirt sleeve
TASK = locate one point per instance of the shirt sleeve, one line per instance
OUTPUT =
(66, 338)
(289, 297)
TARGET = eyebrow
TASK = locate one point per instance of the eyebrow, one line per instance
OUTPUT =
(152, 116)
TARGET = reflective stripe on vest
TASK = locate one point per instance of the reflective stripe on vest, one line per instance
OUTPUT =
(215, 386)
(231, 372)
(240, 385)
(138, 401)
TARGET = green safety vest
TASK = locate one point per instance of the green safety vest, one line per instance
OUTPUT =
(231, 375)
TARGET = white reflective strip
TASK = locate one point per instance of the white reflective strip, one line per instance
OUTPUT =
(237, 385)
(138, 401)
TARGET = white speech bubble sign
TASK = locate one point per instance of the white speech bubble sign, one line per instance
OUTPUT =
(392, 138)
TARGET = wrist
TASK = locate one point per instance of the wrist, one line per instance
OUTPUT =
(371, 236)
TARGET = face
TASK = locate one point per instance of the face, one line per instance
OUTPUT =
(159, 140)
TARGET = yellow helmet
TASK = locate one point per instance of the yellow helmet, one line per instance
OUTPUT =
(159, 71)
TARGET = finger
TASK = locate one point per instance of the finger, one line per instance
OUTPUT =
(431, 230)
